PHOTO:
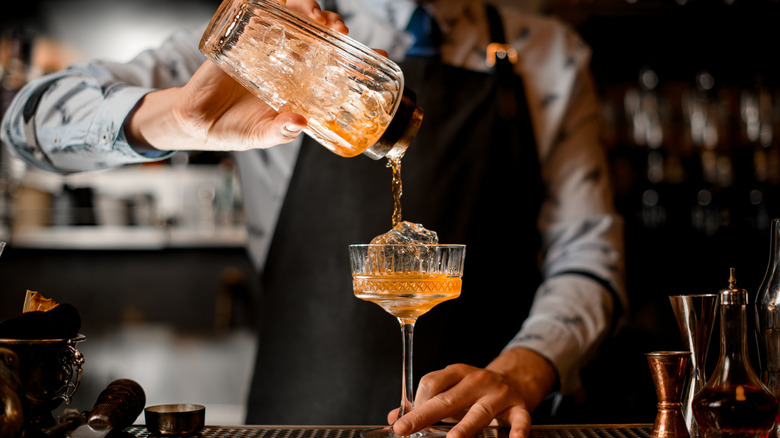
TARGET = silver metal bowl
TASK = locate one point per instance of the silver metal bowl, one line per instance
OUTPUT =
(175, 419)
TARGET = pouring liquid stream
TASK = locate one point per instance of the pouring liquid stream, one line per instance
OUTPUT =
(395, 165)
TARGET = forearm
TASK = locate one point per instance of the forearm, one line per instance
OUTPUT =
(528, 372)
(71, 121)
(150, 126)
(571, 315)
(582, 296)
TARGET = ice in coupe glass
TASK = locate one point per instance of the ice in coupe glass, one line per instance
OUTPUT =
(406, 280)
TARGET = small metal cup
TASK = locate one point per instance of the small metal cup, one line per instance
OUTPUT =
(669, 370)
(175, 419)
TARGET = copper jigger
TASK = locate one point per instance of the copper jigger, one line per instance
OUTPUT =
(669, 370)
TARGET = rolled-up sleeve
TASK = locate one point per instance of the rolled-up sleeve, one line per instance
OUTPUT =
(582, 298)
(71, 121)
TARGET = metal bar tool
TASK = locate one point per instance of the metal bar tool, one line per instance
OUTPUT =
(669, 370)
(116, 408)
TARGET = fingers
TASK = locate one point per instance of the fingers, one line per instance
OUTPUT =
(335, 22)
(214, 112)
(283, 129)
(441, 394)
(473, 395)
(481, 414)
(311, 9)
(520, 422)
(439, 381)
(392, 416)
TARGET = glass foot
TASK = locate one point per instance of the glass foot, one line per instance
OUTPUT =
(387, 432)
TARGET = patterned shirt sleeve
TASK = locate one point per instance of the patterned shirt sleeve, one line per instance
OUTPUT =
(582, 298)
(71, 121)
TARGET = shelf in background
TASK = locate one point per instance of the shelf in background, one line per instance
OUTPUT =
(111, 237)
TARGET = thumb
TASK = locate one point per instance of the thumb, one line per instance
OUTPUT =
(285, 128)
(392, 416)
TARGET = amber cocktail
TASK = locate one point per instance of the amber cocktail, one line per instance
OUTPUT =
(407, 281)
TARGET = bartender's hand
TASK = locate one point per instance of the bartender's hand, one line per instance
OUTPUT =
(504, 393)
(214, 112)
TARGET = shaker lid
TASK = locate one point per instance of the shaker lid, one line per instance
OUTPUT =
(733, 295)
(401, 131)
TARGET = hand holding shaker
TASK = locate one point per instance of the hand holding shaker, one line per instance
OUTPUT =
(354, 99)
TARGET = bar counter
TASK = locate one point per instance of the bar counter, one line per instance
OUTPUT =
(541, 431)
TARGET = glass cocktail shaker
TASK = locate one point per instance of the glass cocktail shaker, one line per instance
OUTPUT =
(354, 99)
(768, 316)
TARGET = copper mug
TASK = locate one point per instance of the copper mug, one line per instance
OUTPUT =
(36, 376)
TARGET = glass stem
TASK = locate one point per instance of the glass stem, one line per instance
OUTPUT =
(407, 384)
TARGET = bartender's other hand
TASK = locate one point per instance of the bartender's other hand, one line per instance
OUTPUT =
(504, 394)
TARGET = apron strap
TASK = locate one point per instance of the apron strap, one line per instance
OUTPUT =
(458, 173)
(496, 25)
(502, 57)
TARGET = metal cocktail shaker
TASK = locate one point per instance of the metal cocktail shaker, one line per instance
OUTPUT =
(695, 315)
(354, 99)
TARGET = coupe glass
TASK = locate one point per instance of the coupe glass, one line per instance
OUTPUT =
(406, 281)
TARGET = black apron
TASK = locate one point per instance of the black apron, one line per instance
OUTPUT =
(328, 358)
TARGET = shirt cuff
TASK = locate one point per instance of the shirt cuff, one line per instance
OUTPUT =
(551, 341)
(147, 152)
(569, 319)
(120, 102)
